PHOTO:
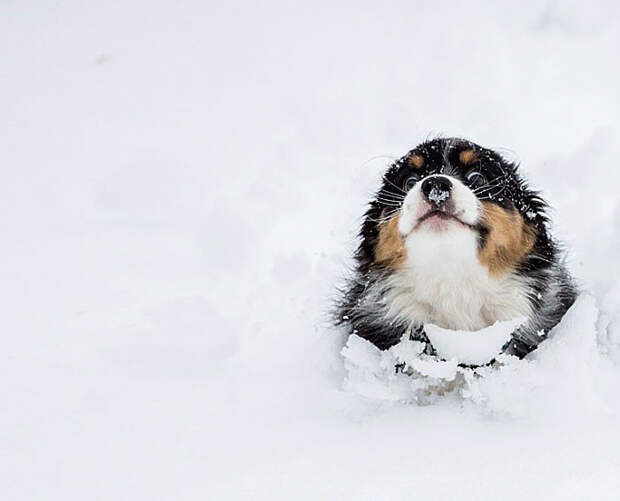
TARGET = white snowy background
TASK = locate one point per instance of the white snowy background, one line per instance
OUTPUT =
(181, 185)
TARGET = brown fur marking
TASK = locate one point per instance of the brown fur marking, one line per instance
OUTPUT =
(509, 239)
(416, 161)
(467, 157)
(390, 248)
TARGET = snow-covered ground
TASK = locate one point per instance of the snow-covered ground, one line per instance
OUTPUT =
(181, 185)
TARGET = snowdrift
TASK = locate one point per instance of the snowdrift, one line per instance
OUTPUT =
(568, 365)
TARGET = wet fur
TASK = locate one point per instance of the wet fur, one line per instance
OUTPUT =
(516, 268)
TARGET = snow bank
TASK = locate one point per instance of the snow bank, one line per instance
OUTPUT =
(566, 370)
(472, 347)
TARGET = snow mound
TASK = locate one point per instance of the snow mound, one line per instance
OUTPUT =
(565, 373)
(472, 347)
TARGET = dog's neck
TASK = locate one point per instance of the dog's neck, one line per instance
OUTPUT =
(443, 282)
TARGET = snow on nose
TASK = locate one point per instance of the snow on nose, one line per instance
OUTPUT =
(438, 196)
(437, 189)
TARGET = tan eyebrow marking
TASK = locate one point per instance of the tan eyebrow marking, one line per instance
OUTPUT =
(416, 161)
(467, 157)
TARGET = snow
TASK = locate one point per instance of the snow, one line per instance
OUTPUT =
(438, 196)
(472, 347)
(567, 370)
(180, 193)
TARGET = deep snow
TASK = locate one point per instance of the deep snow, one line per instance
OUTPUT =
(472, 347)
(181, 188)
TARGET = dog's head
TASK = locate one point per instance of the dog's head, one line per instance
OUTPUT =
(451, 197)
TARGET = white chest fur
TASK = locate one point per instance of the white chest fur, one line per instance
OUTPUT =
(443, 283)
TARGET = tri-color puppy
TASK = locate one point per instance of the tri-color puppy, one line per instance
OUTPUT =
(455, 238)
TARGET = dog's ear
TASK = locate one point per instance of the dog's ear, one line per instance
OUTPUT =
(368, 234)
(529, 202)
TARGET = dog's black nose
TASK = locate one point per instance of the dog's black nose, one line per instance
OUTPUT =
(437, 189)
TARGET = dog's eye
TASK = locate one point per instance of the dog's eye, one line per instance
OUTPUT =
(411, 181)
(475, 179)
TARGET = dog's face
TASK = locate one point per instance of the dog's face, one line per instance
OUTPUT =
(451, 199)
(455, 238)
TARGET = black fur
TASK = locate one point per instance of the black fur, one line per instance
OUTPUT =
(552, 290)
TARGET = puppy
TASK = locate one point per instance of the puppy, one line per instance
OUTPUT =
(456, 238)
